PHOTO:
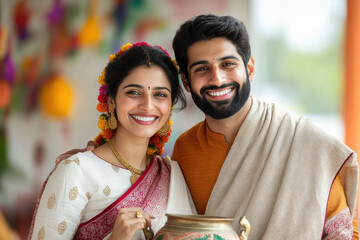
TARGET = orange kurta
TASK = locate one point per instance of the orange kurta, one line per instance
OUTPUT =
(214, 149)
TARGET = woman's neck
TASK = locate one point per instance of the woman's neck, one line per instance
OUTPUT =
(131, 148)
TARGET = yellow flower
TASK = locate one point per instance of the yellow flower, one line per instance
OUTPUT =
(101, 79)
(103, 123)
(150, 151)
(174, 62)
(126, 47)
(112, 57)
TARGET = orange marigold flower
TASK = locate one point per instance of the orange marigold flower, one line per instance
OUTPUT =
(160, 152)
(102, 107)
(156, 139)
(150, 151)
(165, 139)
(159, 145)
(99, 139)
(108, 133)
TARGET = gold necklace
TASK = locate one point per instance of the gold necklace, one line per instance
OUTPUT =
(136, 173)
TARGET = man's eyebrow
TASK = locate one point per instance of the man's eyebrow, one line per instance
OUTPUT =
(198, 63)
(228, 57)
(220, 59)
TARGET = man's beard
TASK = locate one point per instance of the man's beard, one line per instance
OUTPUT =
(225, 108)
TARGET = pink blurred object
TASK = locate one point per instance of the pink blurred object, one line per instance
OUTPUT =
(56, 14)
(8, 71)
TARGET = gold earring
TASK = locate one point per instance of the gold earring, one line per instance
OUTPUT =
(112, 119)
(164, 130)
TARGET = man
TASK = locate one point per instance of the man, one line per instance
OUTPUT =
(248, 158)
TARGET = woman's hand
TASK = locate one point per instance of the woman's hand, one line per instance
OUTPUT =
(128, 221)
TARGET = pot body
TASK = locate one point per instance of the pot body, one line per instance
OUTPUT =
(196, 227)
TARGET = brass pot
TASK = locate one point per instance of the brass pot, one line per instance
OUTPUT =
(200, 227)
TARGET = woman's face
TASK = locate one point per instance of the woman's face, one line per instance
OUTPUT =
(143, 101)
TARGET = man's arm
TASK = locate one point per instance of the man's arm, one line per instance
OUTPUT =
(90, 146)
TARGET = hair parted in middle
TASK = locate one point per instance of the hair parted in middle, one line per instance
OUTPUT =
(143, 55)
(207, 27)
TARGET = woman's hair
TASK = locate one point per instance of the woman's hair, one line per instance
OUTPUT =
(143, 55)
(207, 27)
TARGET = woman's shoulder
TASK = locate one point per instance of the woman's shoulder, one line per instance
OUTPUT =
(83, 162)
(82, 157)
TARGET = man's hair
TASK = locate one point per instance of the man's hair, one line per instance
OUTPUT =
(207, 27)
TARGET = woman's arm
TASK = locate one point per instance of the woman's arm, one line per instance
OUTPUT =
(62, 201)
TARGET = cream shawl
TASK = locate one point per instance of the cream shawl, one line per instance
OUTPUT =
(278, 174)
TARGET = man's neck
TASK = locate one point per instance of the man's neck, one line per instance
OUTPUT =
(231, 125)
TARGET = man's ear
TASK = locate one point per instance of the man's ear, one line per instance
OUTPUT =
(185, 82)
(251, 68)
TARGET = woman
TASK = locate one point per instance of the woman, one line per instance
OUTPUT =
(121, 187)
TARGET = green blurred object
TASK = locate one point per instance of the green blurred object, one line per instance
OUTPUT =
(4, 163)
(2, 111)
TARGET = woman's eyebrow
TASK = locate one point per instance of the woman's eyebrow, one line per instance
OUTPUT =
(142, 87)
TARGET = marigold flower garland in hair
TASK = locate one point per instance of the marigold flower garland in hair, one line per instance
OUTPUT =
(156, 142)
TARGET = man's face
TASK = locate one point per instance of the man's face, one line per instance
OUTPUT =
(218, 80)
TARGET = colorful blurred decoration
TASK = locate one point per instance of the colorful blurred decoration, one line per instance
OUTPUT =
(30, 70)
(5, 94)
(120, 12)
(21, 17)
(3, 37)
(90, 33)
(56, 13)
(62, 43)
(8, 68)
(146, 25)
(56, 96)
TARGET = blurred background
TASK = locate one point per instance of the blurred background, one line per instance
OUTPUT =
(52, 52)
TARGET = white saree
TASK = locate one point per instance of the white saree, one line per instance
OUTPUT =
(280, 179)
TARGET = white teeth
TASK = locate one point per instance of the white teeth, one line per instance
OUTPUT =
(144, 119)
(220, 93)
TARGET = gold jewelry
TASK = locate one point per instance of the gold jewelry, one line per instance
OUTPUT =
(112, 119)
(139, 214)
(136, 173)
(164, 130)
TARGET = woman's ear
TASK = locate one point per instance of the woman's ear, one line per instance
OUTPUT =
(185, 82)
(111, 103)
